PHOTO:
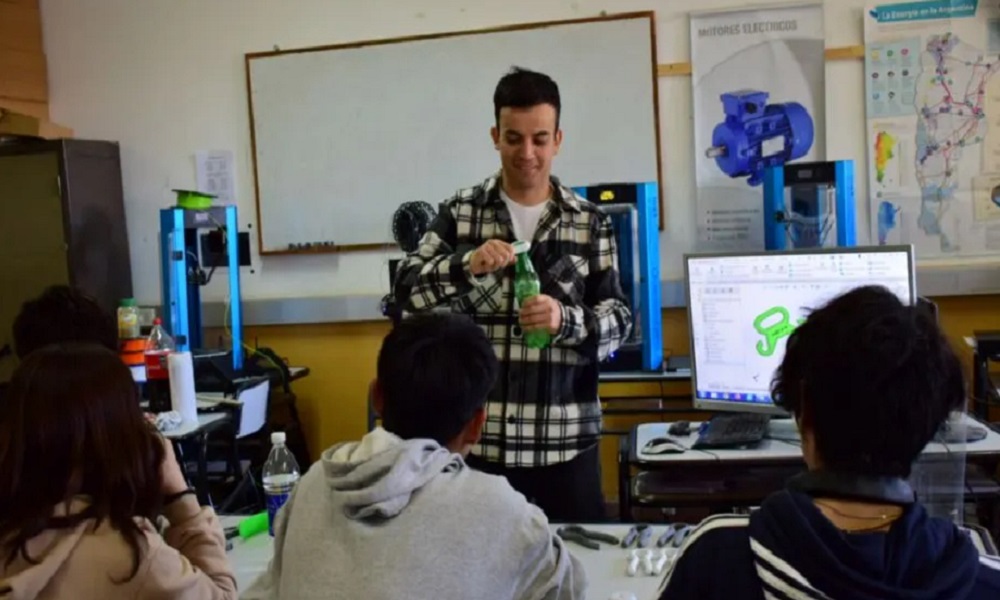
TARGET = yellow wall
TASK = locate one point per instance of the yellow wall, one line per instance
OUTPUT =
(333, 399)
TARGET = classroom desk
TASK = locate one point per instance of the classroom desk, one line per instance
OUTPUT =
(721, 479)
(206, 422)
(777, 450)
(643, 376)
(197, 433)
(294, 374)
(605, 568)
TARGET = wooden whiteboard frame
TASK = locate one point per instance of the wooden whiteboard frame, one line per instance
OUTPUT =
(654, 75)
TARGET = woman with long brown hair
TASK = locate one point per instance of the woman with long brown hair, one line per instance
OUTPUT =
(82, 477)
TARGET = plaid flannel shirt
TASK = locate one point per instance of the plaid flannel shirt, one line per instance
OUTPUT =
(544, 408)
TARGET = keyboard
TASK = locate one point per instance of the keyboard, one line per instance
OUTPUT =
(732, 430)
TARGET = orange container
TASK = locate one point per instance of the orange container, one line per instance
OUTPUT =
(132, 351)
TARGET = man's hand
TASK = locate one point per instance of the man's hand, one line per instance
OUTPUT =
(491, 256)
(541, 312)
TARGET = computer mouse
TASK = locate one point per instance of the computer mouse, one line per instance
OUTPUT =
(680, 428)
(662, 445)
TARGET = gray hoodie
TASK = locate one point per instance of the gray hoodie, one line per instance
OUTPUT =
(385, 518)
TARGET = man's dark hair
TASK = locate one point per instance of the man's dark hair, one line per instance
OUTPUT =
(63, 314)
(875, 379)
(521, 88)
(435, 372)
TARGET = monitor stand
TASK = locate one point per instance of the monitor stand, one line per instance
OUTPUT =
(784, 429)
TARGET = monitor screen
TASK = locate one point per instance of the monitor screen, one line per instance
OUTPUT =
(743, 307)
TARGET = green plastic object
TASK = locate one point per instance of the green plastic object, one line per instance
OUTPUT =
(251, 526)
(194, 200)
(527, 285)
(128, 302)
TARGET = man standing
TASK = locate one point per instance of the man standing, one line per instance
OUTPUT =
(543, 417)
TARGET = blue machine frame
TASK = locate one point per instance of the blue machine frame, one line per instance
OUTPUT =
(181, 296)
(815, 180)
(634, 209)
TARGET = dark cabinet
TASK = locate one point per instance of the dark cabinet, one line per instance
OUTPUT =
(62, 221)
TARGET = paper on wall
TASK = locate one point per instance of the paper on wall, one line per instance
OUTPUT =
(216, 174)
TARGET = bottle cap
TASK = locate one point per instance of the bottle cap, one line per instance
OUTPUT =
(521, 247)
(128, 302)
(157, 321)
(278, 437)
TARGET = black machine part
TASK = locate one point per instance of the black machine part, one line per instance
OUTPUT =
(988, 343)
(409, 223)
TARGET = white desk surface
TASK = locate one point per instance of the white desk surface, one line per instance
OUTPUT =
(213, 400)
(188, 427)
(780, 450)
(639, 376)
(605, 568)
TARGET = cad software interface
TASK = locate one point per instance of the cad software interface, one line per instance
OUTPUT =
(743, 308)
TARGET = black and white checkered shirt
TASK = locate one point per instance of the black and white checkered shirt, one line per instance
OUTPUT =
(544, 408)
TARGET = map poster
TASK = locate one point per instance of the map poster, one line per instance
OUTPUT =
(932, 98)
(759, 92)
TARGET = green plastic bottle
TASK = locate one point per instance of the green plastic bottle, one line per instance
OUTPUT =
(527, 285)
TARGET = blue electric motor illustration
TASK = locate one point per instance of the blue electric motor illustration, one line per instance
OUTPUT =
(757, 135)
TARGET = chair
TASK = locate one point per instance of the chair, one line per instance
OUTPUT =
(249, 419)
(253, 408)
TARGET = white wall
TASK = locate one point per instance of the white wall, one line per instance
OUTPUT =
(166, 78)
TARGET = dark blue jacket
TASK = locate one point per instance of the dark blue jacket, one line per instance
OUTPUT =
(789, 550)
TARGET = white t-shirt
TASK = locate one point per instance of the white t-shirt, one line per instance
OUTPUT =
(524, 218)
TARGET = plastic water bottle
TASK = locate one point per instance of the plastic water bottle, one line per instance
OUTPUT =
(527, 285)
(281, 473)
(159, 345)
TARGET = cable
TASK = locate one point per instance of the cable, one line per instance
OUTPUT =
(708, 452)
(252, 351)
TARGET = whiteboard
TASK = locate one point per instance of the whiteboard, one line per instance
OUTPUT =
(343, 135)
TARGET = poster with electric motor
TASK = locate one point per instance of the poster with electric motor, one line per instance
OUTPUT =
(759, 85)
(932, 98)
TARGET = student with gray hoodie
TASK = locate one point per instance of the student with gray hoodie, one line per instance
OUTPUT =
(399, 514)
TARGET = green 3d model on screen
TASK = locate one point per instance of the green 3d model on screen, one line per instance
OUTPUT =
(776, 330)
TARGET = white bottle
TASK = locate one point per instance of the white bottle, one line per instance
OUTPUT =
(280, 475)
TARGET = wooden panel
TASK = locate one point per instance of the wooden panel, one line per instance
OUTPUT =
(23, 75)
(39, 110)
(684, 68)
(28, 64)
(21, 27)
(30, 91)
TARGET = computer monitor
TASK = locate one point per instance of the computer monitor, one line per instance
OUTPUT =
(742, 308)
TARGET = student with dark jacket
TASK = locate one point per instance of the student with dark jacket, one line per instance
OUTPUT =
(869, 381)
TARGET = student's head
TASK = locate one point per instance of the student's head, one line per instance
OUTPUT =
(62, 314)
(869, 380)
(434, 373)
(526, 132)
(70, 426)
